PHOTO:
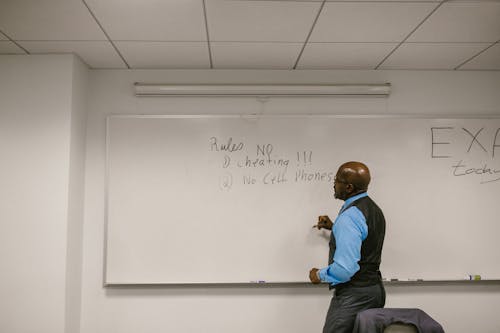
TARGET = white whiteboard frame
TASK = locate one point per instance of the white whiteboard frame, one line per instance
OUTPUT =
(252, 116)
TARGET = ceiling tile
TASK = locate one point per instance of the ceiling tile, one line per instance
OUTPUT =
(7, 47)
(96, 54)
(344, 55)
(431, 56)
(474, 21)
(151, 20)
(181, 55)
(255, 55)
(48, 20)
(369, 22)
(489, 59)
(280, 21)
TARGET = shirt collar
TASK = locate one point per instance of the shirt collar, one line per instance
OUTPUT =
(354, 198)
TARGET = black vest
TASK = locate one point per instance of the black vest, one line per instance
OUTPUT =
(371, 248)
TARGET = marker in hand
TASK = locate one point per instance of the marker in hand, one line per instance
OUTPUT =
(324, 222)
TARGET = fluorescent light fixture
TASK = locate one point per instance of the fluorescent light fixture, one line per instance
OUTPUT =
(151, 89)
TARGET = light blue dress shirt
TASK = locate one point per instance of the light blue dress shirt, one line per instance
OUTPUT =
(350, 230)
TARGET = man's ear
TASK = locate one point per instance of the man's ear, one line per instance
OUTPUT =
(349, 188)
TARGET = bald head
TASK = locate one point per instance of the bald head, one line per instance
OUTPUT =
(357, 174)
(352, 178)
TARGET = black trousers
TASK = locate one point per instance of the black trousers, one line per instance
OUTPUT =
(347, 302)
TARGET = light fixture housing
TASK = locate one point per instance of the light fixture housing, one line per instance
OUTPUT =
(155, 89)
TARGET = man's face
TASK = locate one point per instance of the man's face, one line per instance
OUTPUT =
(339, 186)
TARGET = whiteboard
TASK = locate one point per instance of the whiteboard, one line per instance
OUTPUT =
(232, 199)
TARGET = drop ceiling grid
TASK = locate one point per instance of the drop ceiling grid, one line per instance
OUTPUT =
(96, 54)
(7, 47)
(456, 33)
(361, 34)
(344, 55)
(487, 60)
(461, 22)
(248, 35)
(432, 56)
(257, 33)
(381, 22)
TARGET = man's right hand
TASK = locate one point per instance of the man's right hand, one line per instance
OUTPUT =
(324, 222)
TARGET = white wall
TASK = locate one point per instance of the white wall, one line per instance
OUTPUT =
(36, 115)
(217, 309)
(75, 196)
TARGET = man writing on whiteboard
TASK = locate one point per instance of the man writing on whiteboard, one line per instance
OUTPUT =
(356, 244)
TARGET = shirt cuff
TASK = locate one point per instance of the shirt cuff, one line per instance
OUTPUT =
(322, 274)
